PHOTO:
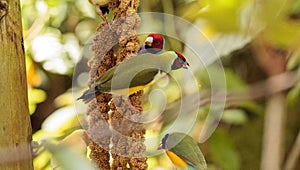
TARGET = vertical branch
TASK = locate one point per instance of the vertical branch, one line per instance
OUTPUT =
(15, 128)
(128, 151)
(273, 133)
(98, 108)
(294, 156)
(275, 116)
(99, 131)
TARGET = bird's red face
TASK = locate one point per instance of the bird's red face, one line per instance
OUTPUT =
(155, 41)
(180, 62)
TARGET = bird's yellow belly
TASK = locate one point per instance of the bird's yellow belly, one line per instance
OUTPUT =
(176, 160)
(128, 91)
(131, 90)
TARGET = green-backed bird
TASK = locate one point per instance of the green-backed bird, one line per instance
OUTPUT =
(183, 151)
(154, 44)
(135, 74)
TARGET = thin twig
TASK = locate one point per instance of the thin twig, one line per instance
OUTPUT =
(294, 155)
(272, 85)
(273, 132)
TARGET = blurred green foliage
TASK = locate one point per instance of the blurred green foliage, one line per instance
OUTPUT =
(55, 32)
(223, 152)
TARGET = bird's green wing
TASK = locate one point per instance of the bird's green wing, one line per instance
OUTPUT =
(131, 75)
(144, 77)
(123, 81)
(187, 149)
(122, 68)
(136, 71)
(104, 78)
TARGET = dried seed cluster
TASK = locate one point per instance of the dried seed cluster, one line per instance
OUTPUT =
(126, 133)
(99, 130)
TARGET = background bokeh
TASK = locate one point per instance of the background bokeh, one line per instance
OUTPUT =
(255, 41)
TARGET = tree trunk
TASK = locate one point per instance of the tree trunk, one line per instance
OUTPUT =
(15, 128)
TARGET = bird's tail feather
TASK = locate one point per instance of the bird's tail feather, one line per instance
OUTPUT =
(200, 167)
(89, 95)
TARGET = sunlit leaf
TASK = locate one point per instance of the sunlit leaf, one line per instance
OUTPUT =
(53, 3)
(66, 158)
(280, 30)
(35, 96)
(282, 34)
(224, 15)
(33, 77)
(191, 10)
(63, 118)
(42, 161)
(294, 60)
(64, 99)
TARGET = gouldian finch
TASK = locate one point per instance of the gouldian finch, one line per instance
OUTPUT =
(101, 8)
(154, 44)
(183, 151)
(135, 74)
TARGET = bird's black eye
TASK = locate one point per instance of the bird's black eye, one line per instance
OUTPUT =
(157, 43)
(104, 9)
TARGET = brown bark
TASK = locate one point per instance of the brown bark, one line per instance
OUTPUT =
(15, 128)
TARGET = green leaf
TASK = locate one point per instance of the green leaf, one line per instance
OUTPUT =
(42, 161)
(224, 15)
(293, 96)
(294, 60)
(281, 30)
(235, 116)
(67, 159)
(53, 3)
(282, 33)
(252, 107)
(223, 152)
(35, 96)
(190, 10)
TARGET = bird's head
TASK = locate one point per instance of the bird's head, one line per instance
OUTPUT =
(155, 42)
(180, 62)
(163, 144)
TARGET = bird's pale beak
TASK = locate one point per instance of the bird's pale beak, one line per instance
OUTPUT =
(159, 147)
(185, 65)
(149, 41)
